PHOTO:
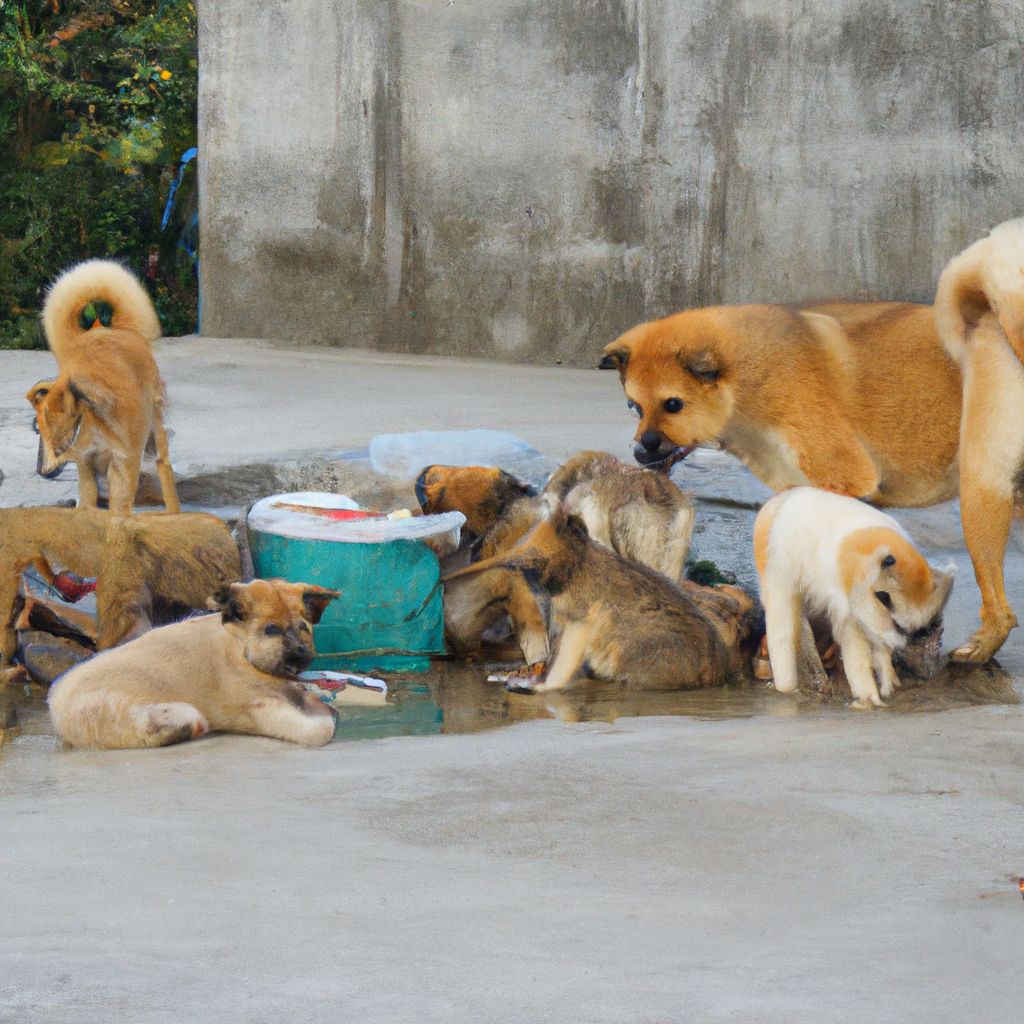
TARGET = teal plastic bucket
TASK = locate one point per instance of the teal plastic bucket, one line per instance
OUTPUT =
(390, 615)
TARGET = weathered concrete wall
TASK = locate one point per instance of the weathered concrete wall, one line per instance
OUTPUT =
(526, 179)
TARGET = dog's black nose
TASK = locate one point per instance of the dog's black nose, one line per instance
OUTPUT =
(651, 440)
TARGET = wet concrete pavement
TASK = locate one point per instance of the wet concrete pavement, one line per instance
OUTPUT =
(801, 862)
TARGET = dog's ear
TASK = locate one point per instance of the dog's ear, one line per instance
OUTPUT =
(702, 364)
(98, 399)
(614, 358)
(577, 526)
(226, 601)
(316, 599)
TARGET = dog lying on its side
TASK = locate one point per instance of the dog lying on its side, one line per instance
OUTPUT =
(860, 398)
(108, 398)
(229, 672)
(822, 553)
(142, 563)
(615, 620)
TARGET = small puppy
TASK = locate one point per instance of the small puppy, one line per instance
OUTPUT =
(615, 620)
(638, 513)
(229, 672)
(146, 565)
(108, 397)
(823, 553)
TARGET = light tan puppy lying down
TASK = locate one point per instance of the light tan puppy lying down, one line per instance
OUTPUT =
(229, 672)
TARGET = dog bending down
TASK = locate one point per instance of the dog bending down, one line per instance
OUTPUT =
(228, 672)
(615, 620)
(108, 398)
(822, 553)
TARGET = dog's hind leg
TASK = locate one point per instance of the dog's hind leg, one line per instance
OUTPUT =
(160, 725)
(991, 460)
(163, 465)
(783, 617)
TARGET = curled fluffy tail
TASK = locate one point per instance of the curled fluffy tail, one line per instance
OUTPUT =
(97, 282)
(987, 278)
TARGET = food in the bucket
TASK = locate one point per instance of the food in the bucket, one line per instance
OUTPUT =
(816, 550)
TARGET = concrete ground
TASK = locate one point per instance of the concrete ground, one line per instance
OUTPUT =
(796, 867)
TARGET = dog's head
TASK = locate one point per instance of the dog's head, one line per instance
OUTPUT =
(894, 593)
(482, 494)
(61, 407)
(677, 384)
(273, 620)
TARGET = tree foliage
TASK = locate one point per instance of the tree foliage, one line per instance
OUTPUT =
(97, 103)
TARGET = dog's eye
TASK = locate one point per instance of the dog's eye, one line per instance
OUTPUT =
(272, 630)
(888, 561)
(634, 409)
(673, 405)
(883, 598)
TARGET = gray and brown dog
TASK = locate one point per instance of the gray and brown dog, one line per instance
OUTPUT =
(229, 672)
(616, 620)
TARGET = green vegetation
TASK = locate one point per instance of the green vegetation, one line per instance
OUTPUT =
(97, 103)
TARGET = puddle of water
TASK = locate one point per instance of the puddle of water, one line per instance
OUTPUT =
(455, 697)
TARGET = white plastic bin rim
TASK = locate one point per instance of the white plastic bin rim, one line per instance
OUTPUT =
(284, 522)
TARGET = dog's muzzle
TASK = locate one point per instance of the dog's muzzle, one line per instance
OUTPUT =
(296, 660)
(53, 471)
(663, 457)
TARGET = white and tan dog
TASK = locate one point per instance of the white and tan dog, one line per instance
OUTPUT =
(819, 553)
(232, 672)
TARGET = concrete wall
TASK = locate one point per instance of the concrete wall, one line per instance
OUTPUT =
(525, 180)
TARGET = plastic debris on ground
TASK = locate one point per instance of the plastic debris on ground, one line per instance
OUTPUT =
(339, 688)
(404, 455)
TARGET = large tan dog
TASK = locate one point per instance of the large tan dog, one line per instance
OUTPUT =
(108, 398)
(142, 562)
(861, 398)
(229, 672)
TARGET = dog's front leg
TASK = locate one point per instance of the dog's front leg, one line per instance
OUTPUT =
(123, 481)
(294, 715)
(88, 488)
(859, 664)
(886, 673)
(572, 650)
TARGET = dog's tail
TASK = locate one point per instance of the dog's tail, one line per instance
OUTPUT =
(96, 294)
(987, 278)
